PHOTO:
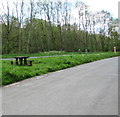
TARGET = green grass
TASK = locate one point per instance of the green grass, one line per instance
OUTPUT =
(14, 73)
(50, 53)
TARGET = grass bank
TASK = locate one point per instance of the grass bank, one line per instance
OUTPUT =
(14, 73)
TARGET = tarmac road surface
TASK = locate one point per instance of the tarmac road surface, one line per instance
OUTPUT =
(88, 89)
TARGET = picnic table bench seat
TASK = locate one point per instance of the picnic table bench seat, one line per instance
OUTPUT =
(30, 62)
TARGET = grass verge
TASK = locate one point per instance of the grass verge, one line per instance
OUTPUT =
(14, 73)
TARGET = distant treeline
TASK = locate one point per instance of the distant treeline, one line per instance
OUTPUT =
(45, 26)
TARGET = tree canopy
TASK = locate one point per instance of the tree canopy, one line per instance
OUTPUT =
(39, 26)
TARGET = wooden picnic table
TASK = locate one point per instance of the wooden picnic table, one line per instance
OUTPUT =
(21, 59)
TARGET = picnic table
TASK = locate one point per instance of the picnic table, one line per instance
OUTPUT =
(21, 59)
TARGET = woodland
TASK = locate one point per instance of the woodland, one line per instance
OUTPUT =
(41, 26)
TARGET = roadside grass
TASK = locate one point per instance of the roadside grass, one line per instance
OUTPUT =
(14, 73)
(50, 53)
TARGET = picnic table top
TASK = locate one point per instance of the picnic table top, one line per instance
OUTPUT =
(21, 57)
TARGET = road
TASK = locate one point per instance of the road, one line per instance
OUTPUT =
(88, 89)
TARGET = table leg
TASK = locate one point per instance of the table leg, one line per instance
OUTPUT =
(16, 61)
(25, 61)
(20, 61)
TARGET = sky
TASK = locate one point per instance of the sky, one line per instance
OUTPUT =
(98, 5)
(94, 5)
(109, 5)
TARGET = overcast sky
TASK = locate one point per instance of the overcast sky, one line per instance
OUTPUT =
(109, 5)
(95, 5)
